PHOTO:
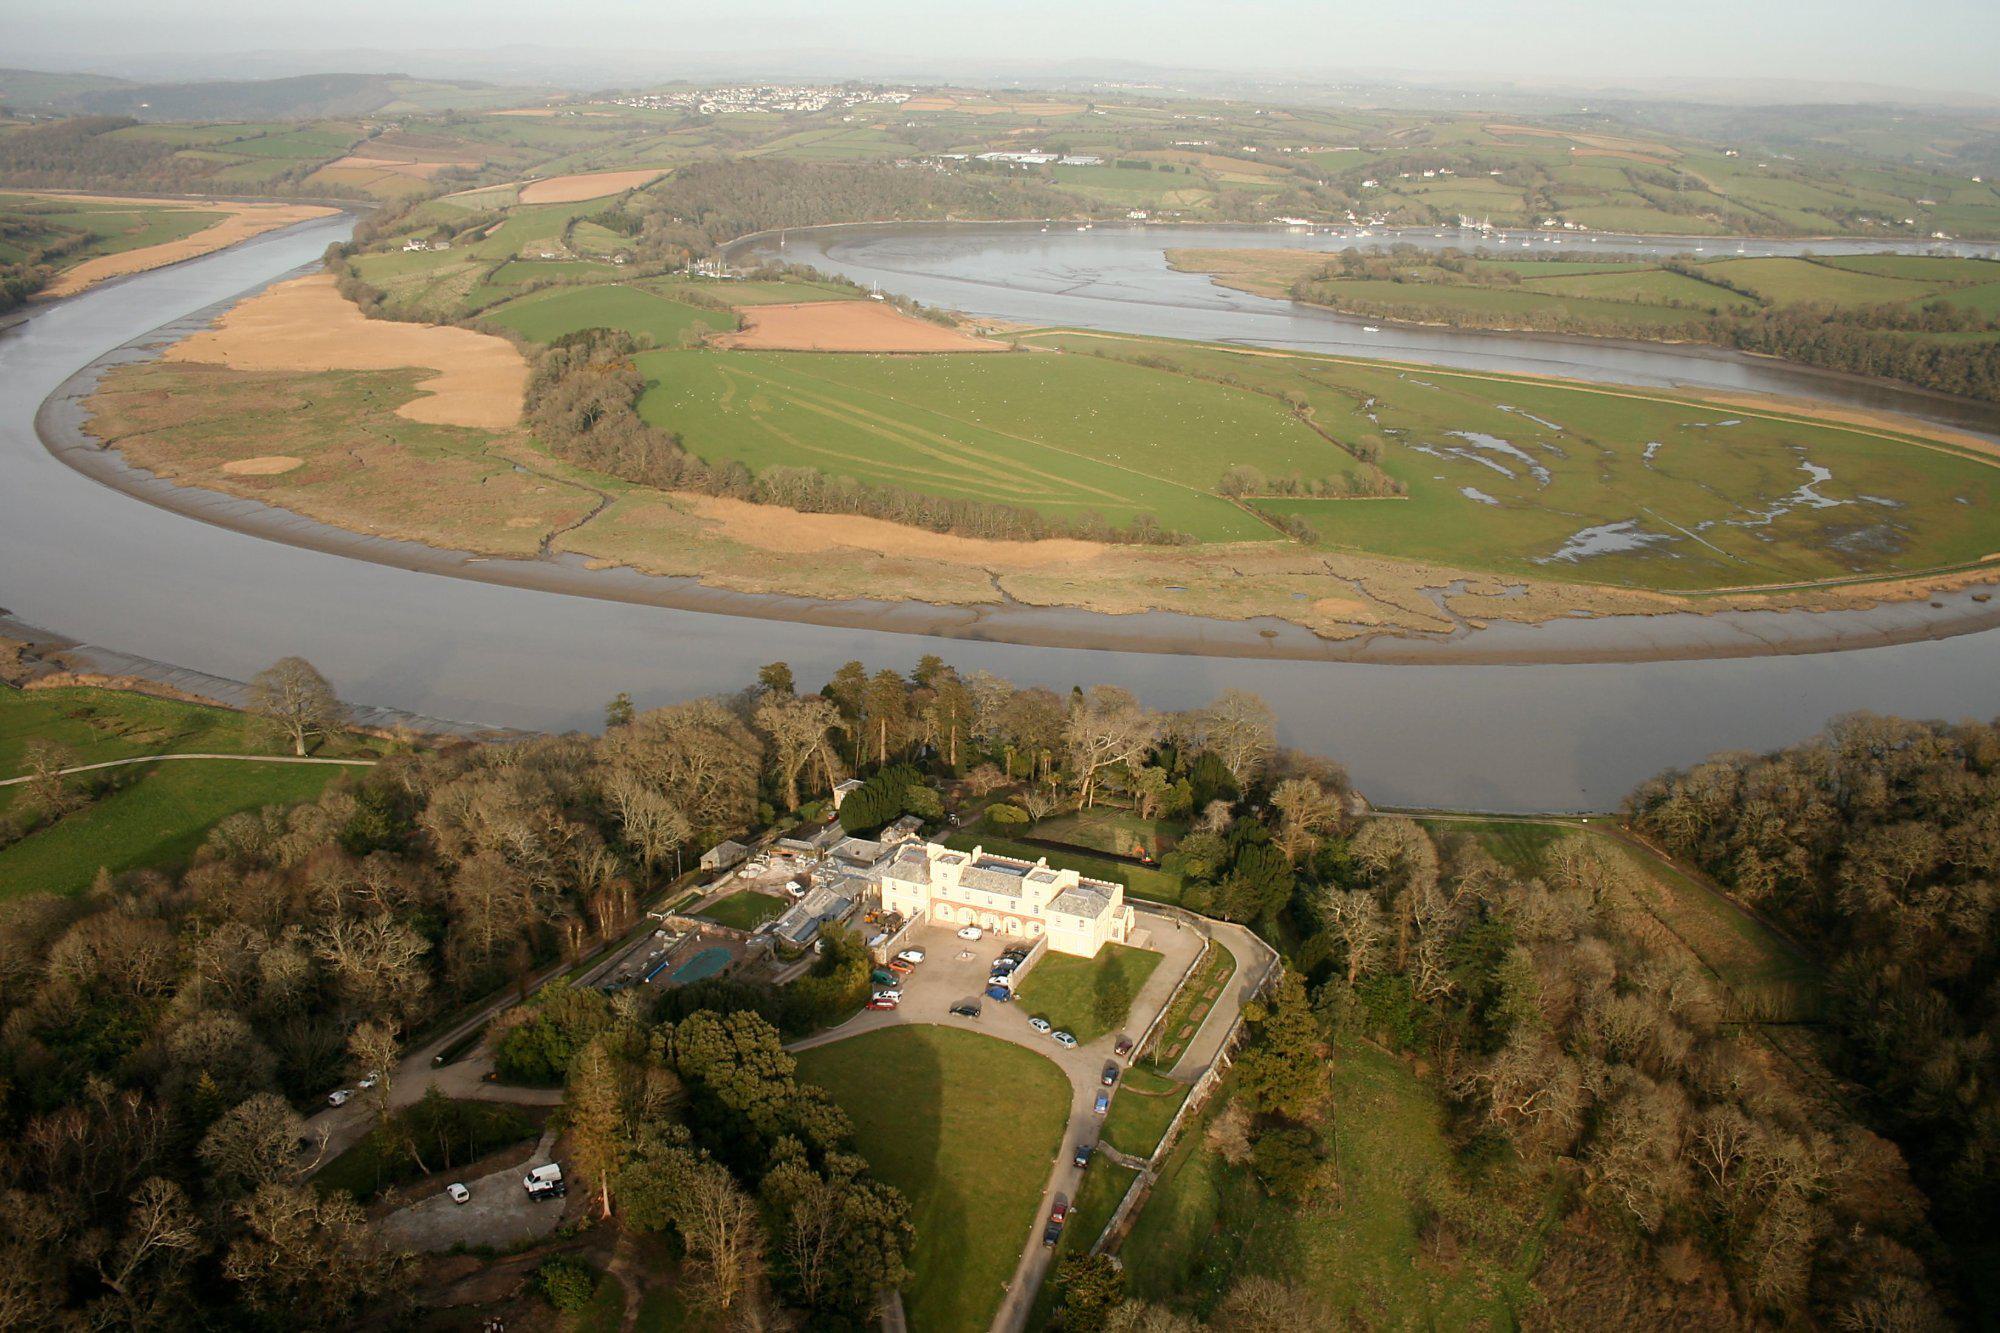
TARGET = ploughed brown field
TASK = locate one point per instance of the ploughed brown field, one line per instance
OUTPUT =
(306, 324)
(595, 185)
(846, 326)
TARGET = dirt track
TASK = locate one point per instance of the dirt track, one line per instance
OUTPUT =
(305, 324)
(846, 326)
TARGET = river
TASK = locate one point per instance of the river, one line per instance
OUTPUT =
(90, 562)
(1115, 278)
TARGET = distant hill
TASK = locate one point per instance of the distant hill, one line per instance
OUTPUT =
(304, 97)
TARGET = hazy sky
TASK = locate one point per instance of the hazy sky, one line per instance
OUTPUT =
(1944, 44)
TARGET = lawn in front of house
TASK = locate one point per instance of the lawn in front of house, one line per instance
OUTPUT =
(1142, 1110)
(1088, 997)
(966, 1126)
(746, 909)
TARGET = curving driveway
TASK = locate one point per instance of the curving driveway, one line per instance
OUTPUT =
(955, 970)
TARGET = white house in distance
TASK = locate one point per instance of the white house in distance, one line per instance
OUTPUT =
(926, 881)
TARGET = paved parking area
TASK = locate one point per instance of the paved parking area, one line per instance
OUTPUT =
(499, 1213)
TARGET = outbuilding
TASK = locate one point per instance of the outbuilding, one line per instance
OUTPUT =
(723, 855)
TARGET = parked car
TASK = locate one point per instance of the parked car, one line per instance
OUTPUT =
(340, 1098)
(966, 1010)
(369, 1082)
(1000, 993)
(1015, 952)
(545, 1182)
(1052, 1233)
(1000, 979)
(899, 966)
(1103, 1103)
(1064, 1039)
(1004, 964)
(888, 993)
(1110, 1074)
(882, 976)
(911, 955)
(1059, 1213)
(970, 932)
(1039, 1024)
(882, 1002)
(1081, 1157)
(1123, 1048)
(796, 889)
(458, 1192)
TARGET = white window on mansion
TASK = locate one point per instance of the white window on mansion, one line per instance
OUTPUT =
(926, 881)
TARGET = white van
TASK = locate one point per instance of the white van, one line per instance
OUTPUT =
(545, 1182)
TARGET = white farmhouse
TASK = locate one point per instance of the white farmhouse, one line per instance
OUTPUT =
(926, 881)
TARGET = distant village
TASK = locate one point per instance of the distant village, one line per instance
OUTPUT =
(766, 97)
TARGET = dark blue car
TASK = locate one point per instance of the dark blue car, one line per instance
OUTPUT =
(1000, 993)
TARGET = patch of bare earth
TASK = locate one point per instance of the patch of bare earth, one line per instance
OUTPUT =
(244, 221)
(306, 324)
(595, 185)
(846, 326)
(269, 465)
(398, 166)
(770, 528)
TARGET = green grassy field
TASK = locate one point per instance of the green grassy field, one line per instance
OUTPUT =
(1353, 1249)
(745, 909)
(546, 316)
(1087, 997)
(147, 815)
(1142, 1110)
(1617, 486)
(971, 1163)
(95, 724)
(29, 225)
(1109, 829)
(155, 816)
(1065, 436)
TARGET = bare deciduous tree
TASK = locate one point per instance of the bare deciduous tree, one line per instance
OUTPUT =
(1105, 727)
(254, 1143)
(45, 760)
(1239, 729)
(1305, 813)
(802, 737)
(293, 694)
(725, 1238)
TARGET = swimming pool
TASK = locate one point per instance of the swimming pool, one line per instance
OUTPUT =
(702, 966)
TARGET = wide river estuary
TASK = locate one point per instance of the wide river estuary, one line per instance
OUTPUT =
(442, 635)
